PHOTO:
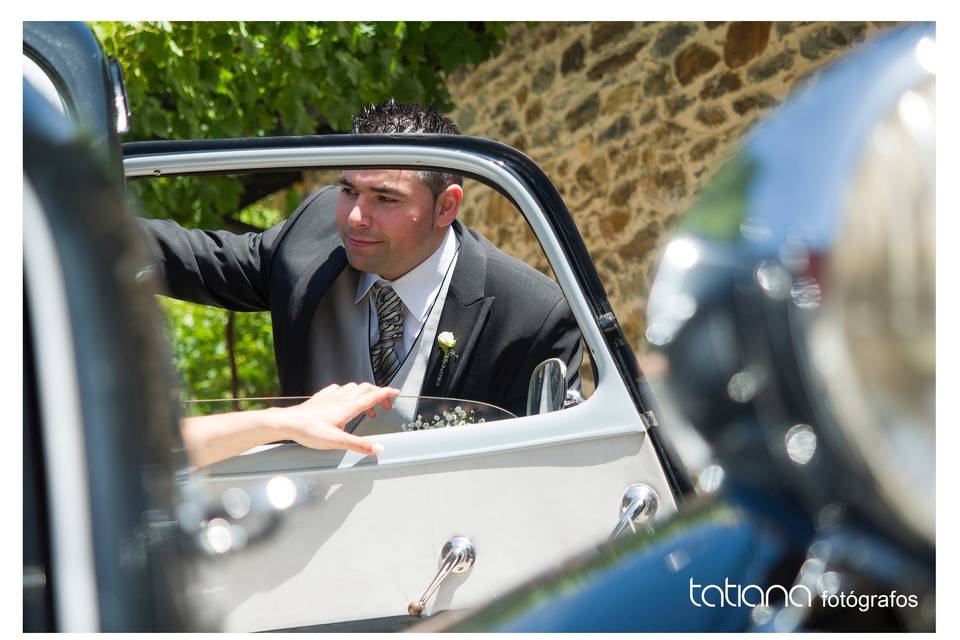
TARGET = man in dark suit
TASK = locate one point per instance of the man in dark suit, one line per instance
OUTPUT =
(362, 278)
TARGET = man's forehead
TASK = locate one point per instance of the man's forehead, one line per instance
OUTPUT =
(394, 179)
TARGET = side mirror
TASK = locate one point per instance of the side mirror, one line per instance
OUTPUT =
(548, 387)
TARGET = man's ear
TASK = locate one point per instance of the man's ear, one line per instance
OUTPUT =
(448, 204)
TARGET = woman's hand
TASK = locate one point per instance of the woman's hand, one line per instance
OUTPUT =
(318, 422)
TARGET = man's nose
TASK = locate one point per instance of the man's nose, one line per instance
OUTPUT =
(357, 216)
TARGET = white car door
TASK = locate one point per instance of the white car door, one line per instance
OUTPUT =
(526, 492)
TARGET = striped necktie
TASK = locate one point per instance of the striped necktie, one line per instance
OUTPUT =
(385, 356)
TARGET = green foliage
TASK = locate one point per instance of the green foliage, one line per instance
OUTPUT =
(197, 203)
(200, 352)
(262, 215)
(231, 79)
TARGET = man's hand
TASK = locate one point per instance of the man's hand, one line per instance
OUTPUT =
(318, 422)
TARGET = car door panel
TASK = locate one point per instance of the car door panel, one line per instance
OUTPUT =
(368, 543)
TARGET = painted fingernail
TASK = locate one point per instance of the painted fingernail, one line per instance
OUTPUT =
(377, 449)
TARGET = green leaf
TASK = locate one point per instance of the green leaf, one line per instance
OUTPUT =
(292, 38)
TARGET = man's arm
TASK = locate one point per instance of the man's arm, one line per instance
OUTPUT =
(225, 269)
(217, 268)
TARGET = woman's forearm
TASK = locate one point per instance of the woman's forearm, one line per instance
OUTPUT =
(210, 439)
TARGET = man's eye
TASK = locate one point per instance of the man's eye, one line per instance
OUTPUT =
(387, 199)
(348, 191)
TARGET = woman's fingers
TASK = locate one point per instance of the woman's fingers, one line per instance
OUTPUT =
(367, 396)
(332, 388)
(359, 445)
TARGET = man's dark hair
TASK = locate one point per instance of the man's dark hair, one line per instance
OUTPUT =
(400, 117)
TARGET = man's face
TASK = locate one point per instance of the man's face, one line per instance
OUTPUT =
(388, 220)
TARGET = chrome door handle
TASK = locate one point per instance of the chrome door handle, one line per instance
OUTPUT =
(457, 555)
(638, 506)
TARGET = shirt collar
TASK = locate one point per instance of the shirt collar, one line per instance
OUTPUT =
(418, 287)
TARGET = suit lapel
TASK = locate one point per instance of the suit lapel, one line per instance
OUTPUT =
(464, 314)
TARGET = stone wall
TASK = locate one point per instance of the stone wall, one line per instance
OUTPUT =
(629, 120)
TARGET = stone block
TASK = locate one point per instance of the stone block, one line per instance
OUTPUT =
(702, 149)
(572, 59)
(712, 116)
(657, 83)
(769, 68)
(583, 113)
(640, 245)
(671, 37)
(592, 175)
(693, 62)
(629, 163)
(533, 112)
(677, 104)
(745, 41)
(747, 104)
(543, 76)
(620, 98)
(720, 85)
(604, 33)
(784, 28)
(831, 38)
(621, 127)
(615, 62)
(546, 135)
(521, 96)
(669, 134)
(622, 193)
(649, 116)
(613, 224)
(508, 126)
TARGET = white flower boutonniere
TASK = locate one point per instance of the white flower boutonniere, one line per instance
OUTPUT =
(447, 343)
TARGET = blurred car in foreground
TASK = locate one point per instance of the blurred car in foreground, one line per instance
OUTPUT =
(793, 314)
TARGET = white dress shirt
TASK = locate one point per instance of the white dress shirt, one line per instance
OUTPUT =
(417, 290)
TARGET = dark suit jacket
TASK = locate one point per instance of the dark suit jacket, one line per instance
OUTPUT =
(506, 316)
